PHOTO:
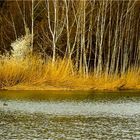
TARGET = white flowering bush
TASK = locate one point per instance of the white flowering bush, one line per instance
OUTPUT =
(21, 47)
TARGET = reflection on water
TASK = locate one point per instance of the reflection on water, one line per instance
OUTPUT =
(71, 108)
(80, 115)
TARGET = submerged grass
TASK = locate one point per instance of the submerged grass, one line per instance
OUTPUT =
(32, 73)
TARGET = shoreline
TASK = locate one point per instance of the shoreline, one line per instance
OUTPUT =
(66, 88)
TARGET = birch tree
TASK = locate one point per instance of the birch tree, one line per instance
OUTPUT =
(55, 23)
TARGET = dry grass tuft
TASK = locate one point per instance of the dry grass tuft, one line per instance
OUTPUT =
(35, 74)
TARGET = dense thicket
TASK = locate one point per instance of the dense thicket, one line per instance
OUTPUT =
(97, 35)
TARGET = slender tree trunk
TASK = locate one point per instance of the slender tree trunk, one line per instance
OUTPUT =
(32, 41)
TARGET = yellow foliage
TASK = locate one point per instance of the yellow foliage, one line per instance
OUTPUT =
(35, 74)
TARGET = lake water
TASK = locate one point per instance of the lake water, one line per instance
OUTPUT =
(69, 115)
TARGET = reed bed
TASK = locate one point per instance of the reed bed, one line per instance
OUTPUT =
(33, 73)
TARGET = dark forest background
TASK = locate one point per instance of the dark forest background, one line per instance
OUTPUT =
(96, 35)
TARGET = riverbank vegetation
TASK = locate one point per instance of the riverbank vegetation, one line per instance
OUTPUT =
(34, 74)
(70, 45)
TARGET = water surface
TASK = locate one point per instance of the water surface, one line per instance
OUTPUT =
(69, 115)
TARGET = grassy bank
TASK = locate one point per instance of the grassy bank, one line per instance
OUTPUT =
(34, 74)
